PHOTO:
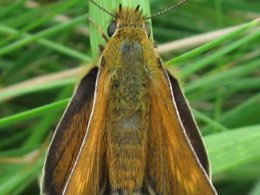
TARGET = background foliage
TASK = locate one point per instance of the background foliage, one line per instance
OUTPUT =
(43, 45)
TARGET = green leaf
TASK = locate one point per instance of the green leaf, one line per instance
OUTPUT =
(233, 148)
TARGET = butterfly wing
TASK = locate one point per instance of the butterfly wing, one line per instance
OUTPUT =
(88, 176)
(68, 136)
(189, 123)
(172, 164)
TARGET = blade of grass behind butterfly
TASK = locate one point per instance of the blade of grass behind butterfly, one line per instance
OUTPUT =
(247, 112)
(14, 138)
(60, 8)
(44, 125)
(49, 44)
(210, 81)
(21, 178)
(7, 9)
(103, 19)
(16, 180)
(10, 120)
(195, 52)
(256, 189)
(20, 43)
(233, 148)
(211, 58)
(36, 88)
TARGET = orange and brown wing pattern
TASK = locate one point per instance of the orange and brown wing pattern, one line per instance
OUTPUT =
(89, 172)
(189, 124)
(69, 134)
(172, 165)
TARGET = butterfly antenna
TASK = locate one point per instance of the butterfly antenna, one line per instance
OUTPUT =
(99, 29)
(167, 10)
(102, 8)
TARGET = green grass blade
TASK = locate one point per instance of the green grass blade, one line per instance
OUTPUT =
(7, 121)
(232, 148)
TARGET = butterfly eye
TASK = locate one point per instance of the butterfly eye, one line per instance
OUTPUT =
(111, 28)
(148, 30)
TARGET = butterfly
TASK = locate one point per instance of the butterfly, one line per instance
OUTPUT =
(128, 129)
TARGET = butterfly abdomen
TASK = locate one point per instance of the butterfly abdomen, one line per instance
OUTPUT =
(127, 124)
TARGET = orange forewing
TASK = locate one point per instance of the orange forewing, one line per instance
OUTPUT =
(89, 173)
(189, 123)
(173, 166)
(68, 137)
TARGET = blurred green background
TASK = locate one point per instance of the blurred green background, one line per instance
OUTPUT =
(45, 50)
